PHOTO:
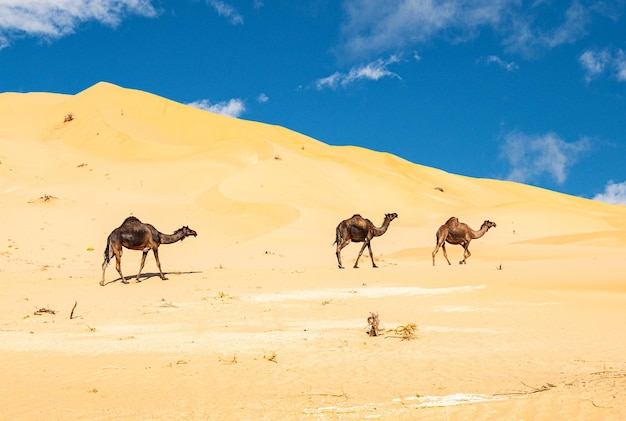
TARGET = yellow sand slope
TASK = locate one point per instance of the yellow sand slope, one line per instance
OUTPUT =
(539, 302)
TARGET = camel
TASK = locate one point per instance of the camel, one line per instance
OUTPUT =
(455, 232)
(135, 235)
(359, 229)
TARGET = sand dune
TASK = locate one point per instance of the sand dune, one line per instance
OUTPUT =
(256, 321)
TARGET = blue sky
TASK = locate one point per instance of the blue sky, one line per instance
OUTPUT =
(530, 91)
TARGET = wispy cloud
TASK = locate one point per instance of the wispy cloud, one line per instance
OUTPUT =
(532, 156)
(234, 107)
(374, 70)
(614, 193)
(598, 62)
(226, 10)
(527, 37)
(54, 19)
(372, 27)
(262, 98)
(509, 66)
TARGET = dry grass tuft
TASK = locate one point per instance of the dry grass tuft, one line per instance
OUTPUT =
(406, 332)
(226, 360)
(270, 356)
(44, 310)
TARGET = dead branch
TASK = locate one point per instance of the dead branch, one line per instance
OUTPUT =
(73, 308)
(406, 332)
(533, 390)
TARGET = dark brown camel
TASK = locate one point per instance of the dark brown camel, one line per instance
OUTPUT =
(135, 235)
(359, 229)
(455, 232)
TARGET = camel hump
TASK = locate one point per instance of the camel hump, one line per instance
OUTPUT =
(131, 219)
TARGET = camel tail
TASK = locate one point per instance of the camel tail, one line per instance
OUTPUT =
(337, 237)
(108, 253)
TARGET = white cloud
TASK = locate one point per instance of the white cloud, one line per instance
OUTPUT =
(226, 10)
(374, 70)
(372, 27)
(594, 62)
(55, 19)
(598, 62)
(614, 193)
(262, 98)
(510, 66)
(619, 64)
(533, 156)
(234, 107)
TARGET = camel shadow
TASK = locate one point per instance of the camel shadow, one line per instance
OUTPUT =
(149, 275)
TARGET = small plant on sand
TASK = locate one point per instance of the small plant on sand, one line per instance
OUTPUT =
(406, 332)
(44, 310)
(270, 356)
(227, 360)
(372, 325)
(68, 117)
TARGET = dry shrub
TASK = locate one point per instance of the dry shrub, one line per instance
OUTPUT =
(372, 325)
(44, 310)
(406, 332)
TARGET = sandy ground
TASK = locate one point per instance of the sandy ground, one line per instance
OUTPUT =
(255, 320)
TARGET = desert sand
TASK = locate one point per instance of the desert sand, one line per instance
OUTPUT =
(255, 320)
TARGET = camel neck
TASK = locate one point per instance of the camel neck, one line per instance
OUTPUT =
(477, 234)
(383, 228)
(171, 238)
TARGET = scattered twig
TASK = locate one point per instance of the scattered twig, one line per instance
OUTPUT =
(406, 332)
(44, 310)
(533, 390)
(226, 360)
(73, 308)
(332, 395)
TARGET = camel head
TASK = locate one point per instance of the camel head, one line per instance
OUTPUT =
(187, 232)
(391, 216)
(489, 224)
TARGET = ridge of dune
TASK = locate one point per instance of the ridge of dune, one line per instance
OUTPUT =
(132, 135)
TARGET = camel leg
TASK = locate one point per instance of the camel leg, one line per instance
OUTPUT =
(156, 257)
(445, 253)
(466, 255)
(356, 264)
(338, 252)
(143, 262)
(118, 266)
(104, 268)
(369, 247)
(437, 249)
(441, 242)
